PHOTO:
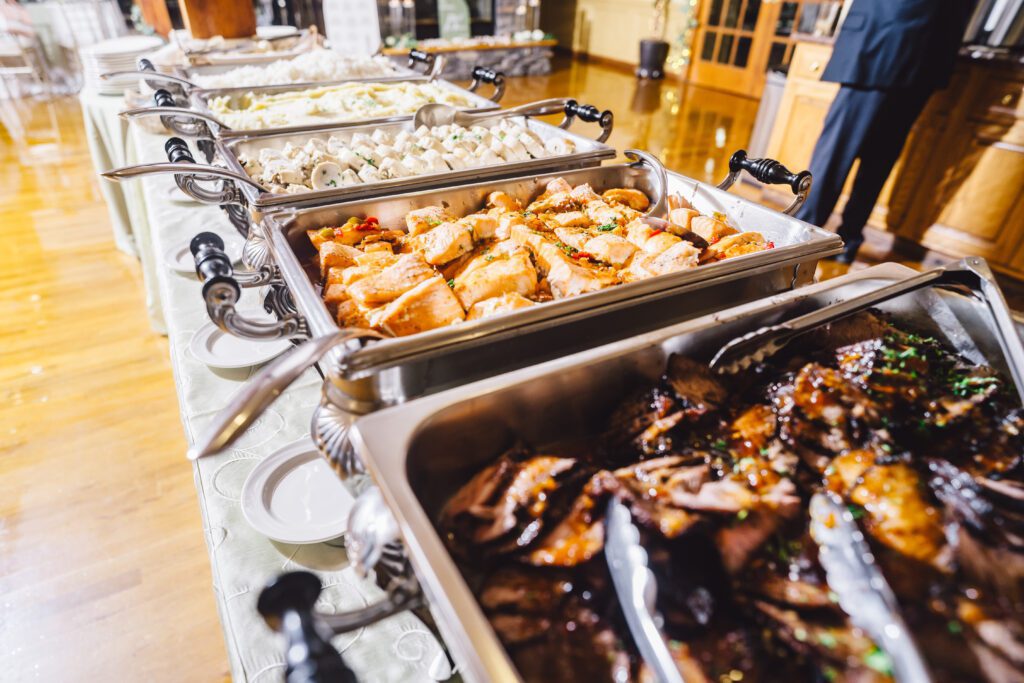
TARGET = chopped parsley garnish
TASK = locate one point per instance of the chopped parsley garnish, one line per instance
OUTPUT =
(607, 227)
(451, 283)
(566, 248)
(879, 661)
(856, 511)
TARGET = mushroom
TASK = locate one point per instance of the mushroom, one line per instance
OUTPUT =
(326, 175)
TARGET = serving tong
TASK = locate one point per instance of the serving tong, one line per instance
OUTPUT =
(637, 591)
(759, 345)
(862, 590)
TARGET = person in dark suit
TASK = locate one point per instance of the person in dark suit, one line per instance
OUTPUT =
(889, 57)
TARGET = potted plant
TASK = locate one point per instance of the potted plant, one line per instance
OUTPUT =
(654, 50)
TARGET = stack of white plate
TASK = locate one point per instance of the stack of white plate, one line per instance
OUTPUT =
(115, 54)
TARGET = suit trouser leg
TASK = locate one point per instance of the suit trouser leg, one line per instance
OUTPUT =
(879, 151)
(846, 125)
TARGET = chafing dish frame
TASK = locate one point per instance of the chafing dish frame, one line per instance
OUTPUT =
(362, 378)
(192, 115)
(421, 452)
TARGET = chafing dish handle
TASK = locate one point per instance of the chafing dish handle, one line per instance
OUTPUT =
(154, 79)
(590, 114)
(264, 388)
(286, 604)
(427, 59)
(482, 74)
(178, 152)
(221, 291)
(770, 172)
(659, 207)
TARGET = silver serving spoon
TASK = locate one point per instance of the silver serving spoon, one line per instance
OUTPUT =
(438, 114)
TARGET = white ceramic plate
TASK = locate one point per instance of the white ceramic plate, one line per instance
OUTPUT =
(293, 496)
(179, 258)
(219, 349)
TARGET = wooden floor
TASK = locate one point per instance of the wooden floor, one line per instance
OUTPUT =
(103, 571)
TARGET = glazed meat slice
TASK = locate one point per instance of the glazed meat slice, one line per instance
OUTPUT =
(835, 641)
(609, 248)
(507, 497)
(428, 305)
(579, 536)
(711, 229)
(422, 220)
(568, 278)
(506, 303)
(335, 254)
(579, 645)
(393, 281)
(634, 199)
(642, 424)
(740, 244)
(573, 237)
(503, 201)
(679, 256)
(508, 274)
(481, 225)
(699, 388)
(898, 515)
(850, 330)
(444, 243)
(822, 414)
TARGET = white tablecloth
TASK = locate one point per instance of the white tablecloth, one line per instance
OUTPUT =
(398, 649)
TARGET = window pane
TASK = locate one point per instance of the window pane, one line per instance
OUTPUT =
(777, 55)
(716, 12)
(708, 51)
(787, 17)
(808, 18)
(732, 13)
(742, 52)
(750, 15)
(724, 49)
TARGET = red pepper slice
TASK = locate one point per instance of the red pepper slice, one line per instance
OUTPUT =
(771, 245)
(656, 231)
(583, 254)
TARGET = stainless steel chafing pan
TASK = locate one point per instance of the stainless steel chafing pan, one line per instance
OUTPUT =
(191, 114)
(243, 50)
(238, 190)
(421, 453)
(181, 81)
(394, 370)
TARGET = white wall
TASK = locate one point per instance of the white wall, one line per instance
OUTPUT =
(609, 28)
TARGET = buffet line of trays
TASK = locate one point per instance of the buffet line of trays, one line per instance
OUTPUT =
(562, 387)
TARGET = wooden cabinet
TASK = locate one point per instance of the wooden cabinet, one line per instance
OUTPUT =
(959, 186)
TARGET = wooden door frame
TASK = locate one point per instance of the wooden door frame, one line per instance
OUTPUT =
(718, 76)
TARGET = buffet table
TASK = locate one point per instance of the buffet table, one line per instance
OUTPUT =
(242, 560)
